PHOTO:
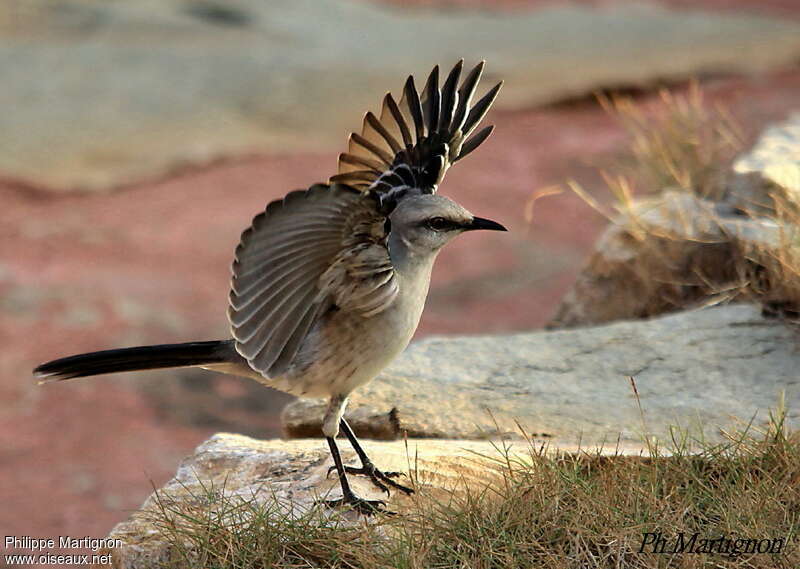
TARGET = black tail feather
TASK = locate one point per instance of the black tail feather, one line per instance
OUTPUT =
(133, 359)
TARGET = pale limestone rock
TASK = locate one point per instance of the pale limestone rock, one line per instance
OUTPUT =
(776, 157)
(291, 475)
(709, 368)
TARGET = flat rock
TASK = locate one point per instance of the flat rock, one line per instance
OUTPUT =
(291, 476)
(776, 157)
(706, 370)
(110, 93)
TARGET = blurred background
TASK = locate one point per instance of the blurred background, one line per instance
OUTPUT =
(138, 138)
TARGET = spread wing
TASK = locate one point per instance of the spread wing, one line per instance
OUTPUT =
(314, 249)
(326, 246)
(414, 142)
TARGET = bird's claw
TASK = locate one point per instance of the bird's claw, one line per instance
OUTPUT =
(378, 478)
(393, 474)
(360, 505)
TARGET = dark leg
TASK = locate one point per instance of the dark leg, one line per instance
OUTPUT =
(365, 507)
(379, 479)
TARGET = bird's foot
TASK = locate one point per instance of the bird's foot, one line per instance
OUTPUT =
(360, 505)
(379, 479)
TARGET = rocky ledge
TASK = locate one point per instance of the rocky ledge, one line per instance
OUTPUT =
(708, 369)
(292, 476)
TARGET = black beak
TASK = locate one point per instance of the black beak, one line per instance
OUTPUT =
(481, 223)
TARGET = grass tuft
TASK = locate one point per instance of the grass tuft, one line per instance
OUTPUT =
(695, 233)
(547, 510)
(685, 144)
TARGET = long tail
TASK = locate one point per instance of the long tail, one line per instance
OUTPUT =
(140, 358)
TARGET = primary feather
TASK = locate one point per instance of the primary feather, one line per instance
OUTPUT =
(413, 143)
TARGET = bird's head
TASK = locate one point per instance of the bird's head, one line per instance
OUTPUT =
(424, 224)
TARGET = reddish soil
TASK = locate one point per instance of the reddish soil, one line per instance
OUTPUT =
(150, 264)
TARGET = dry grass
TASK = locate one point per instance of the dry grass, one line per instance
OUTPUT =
(568, 511)
(687, 146)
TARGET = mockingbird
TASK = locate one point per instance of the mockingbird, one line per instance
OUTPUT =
(329, 283)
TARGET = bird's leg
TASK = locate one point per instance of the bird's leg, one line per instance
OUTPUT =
(366, 507)
(330, 428)
(379, 479)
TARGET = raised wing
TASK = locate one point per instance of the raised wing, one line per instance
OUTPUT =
(414, 142)
(303, 254)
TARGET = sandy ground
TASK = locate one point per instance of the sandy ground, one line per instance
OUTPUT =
(149, 264)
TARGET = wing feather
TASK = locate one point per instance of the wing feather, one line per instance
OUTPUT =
(480, 109)
(465, 93)
(299, 334)
(374, 131)
(306, 240)
(356, 141)
(413, 143)
(450, 97)
(287, 250)
(410, 103)
(268, 343)
(390, 104)
(475, 141)
(431, 101)
(361, 161)
(362, 279)
(377, 303)
(280, 272)
(277, 267)
(354, 179)
(274, 308)
(292, 265)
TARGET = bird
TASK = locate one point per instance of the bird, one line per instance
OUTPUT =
(329, 283)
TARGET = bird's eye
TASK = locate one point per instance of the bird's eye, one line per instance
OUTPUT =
(439, 224)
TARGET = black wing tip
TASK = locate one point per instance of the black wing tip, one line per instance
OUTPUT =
(491, 94)
(475, 141)
(455, 72)
(436, 113)
(433, 78)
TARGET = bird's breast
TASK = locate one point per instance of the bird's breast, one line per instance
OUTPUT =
(346, 350)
